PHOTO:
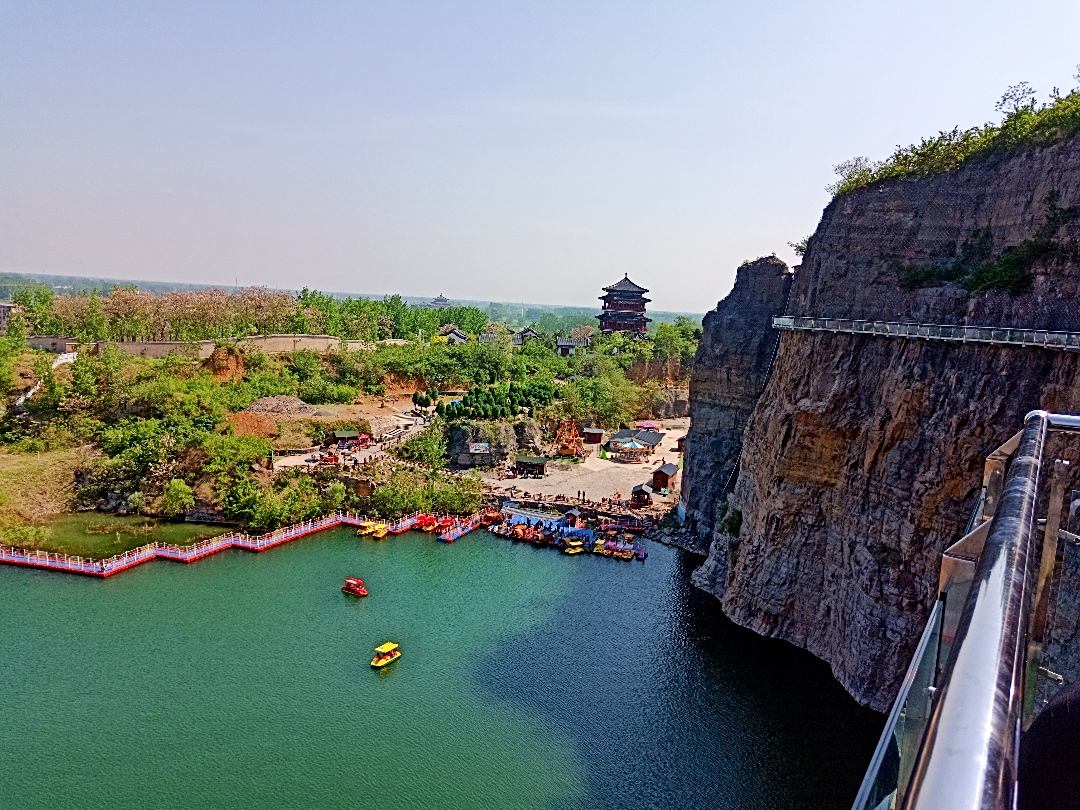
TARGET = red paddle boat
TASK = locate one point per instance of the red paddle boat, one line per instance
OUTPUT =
(354, 586)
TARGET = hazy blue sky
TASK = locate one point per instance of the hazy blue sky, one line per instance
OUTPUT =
(497, 150)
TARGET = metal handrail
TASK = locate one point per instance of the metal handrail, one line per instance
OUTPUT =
(968, 758)
(1041, 338)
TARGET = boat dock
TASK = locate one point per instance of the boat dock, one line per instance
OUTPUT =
(462, 528)
(101, 568)
(109, 566)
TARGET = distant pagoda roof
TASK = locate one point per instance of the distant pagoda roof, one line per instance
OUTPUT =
(438, 302)
(625, 285)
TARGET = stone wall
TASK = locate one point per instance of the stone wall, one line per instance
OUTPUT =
(52, 343)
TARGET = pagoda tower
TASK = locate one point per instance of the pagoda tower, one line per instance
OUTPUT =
(624, 308)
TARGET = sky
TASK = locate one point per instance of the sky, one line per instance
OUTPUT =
(504, 151)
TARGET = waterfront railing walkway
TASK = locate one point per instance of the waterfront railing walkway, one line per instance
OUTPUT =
(88, 566)
(1000, 335)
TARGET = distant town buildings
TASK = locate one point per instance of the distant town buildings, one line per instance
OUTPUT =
(525, 335)
(624, 308)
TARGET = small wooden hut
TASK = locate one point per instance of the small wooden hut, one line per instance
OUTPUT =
(530, 467)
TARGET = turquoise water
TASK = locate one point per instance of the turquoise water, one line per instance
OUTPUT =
(528, 679)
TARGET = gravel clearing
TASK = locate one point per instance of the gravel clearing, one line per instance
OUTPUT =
(282, 406)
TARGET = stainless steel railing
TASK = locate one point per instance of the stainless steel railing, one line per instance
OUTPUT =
(965, 755)
(1003, 335)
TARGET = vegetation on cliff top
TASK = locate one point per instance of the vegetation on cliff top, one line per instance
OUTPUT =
(1025, 122)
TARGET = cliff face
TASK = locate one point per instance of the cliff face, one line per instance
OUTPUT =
(730, 368)
(865, 237)
(862, 456)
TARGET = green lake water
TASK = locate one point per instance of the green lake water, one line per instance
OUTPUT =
(529, 679)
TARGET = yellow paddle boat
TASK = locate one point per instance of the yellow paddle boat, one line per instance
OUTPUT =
(386, 653)
(366, 528)
(573, 547)
(380, 531)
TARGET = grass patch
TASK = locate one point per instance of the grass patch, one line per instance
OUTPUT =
(36, 492)
(37, 486)
(90, 534)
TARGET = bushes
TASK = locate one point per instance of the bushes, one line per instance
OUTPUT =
(410, 491)
(427, 447)
(295, 496)
(176, 499)
(1024, 122)
(732, 522)
(502, 401)
(321, 391)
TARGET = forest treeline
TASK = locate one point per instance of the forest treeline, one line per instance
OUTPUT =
(128, 313)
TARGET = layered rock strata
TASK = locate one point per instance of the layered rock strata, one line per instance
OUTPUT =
(730, 368)
(862, 456)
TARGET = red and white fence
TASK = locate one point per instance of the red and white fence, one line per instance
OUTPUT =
(168, 551)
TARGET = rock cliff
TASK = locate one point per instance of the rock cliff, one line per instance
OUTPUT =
(730, 368)
(503, 439)
(862, 456)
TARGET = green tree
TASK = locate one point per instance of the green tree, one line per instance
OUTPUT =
(177, 498)
(334, 497)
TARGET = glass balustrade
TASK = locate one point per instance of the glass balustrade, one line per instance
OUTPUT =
(886, 780)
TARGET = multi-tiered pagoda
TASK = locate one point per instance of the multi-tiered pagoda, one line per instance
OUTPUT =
(624, 308)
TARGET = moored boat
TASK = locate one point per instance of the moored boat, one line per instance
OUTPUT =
(380, 531)
(573, 547)
(386, 653)
(491, 517)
